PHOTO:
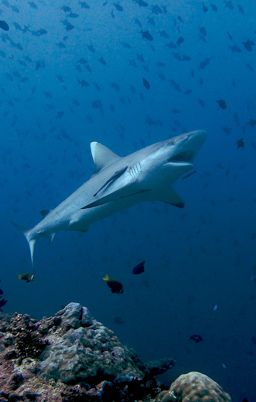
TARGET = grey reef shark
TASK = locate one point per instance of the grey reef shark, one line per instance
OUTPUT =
(119, 183)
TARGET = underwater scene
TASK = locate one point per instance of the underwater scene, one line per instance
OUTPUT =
(127, 171)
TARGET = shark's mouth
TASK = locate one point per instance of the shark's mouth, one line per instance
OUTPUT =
(185, 156)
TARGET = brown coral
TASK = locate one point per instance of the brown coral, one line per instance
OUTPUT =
(29, 344)
(194, 387)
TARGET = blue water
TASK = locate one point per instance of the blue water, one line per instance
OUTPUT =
(69, 77)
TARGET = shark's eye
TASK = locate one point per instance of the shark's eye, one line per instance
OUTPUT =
(185, 156)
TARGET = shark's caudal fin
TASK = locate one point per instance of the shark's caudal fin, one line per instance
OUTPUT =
(31, 242)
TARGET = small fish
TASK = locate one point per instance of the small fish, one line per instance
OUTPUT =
(4, 25)
(28, 277)
(118, 7)
(252, 123)
(188, 175)
(115, 286)
(205, 9)
(215, 307)
(248, 45)
(180, 40)
(139, 268)
(224, 365)
(222, 103)
(196, 338)
(146, 83)
(146, 35)
(240, 143)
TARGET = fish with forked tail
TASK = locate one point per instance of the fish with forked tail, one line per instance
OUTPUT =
(119, 183)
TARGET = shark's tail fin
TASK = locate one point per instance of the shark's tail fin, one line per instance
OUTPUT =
(30, 240)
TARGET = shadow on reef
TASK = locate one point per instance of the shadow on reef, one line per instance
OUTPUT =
(72, 357)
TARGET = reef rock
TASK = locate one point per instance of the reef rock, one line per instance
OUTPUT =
(87, 351)
(71, 357)
(194, 387)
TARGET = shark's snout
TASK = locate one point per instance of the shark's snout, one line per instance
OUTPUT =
(196, 139)
(186, 147)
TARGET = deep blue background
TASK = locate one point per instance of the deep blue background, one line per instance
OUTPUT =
(196, 257)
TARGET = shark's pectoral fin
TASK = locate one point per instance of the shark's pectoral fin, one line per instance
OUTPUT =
(111, 180)
(169, 196)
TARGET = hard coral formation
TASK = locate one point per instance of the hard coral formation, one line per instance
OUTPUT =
(193, 387)
(87, 350)
(70, 357)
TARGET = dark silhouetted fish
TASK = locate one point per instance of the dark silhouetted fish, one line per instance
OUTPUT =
(4, 25)
(204, 63)
(102, 61)
(73, 15)
(141, 3)
(229, 5)
(156, 10)
(146, 35)
(252, 123)
(248, 45)
(118, 7)
(235, 49)
(240, 8)
(139, 268)
(164, 34)
(146, 83)
(205, 9)
(33, 5)
(83, 4)
(240, 143)
(126, 45)
(196, 338)
(115, 286)
(28, 277)
(222, 103)
(91, 48)
(175, 85)
(180, 40)
(66, 9)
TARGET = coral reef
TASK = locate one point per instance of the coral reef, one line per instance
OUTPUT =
(193, 387)
(71, 357)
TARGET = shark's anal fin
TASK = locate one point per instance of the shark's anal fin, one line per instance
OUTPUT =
(169, 196)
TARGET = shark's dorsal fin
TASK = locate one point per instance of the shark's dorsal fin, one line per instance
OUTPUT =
(102, 156)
